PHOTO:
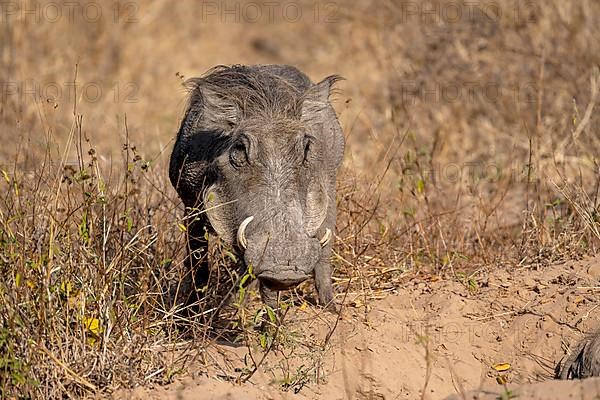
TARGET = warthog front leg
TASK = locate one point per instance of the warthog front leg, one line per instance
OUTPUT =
(198, 263)
(323, 279)
(323, 283)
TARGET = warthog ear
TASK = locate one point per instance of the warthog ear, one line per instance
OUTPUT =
(209, 107)
(316, 98)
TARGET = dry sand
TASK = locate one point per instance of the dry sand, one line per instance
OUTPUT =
(434, 335)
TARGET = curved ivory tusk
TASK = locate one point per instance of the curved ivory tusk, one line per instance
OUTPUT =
(241, 233)
(326, 238)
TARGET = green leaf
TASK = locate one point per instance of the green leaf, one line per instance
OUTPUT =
(410, 211)
(129, 223)
(231, 256)
(83, 228)
(263, 340)
(420, 186)
(257, 316)
(271, 314)
(473, 286)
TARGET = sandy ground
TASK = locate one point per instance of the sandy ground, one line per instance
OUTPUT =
(432, 335)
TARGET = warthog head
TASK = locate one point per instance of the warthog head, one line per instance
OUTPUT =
(270, 148)
(272, 198)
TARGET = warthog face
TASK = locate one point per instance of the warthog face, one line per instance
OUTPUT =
(271, 198)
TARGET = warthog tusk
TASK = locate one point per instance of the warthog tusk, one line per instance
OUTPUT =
(241, 233)
(326, 238)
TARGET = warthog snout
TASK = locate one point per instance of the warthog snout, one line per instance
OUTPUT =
(279, 256)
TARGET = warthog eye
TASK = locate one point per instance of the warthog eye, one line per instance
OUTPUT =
(238, 156)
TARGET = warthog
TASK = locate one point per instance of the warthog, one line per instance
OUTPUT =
(257, 153)
(584, 362)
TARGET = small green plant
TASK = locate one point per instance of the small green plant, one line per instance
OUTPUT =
(507, 394)
(14, 372)
(470, 281)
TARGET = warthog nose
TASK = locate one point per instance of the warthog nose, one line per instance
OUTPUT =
(282, 277)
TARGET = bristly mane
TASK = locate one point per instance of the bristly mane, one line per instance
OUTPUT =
(246, 91)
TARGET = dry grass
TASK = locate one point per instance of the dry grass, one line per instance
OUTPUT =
(91, 240)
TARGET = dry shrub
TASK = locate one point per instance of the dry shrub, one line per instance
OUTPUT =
(86, 251)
